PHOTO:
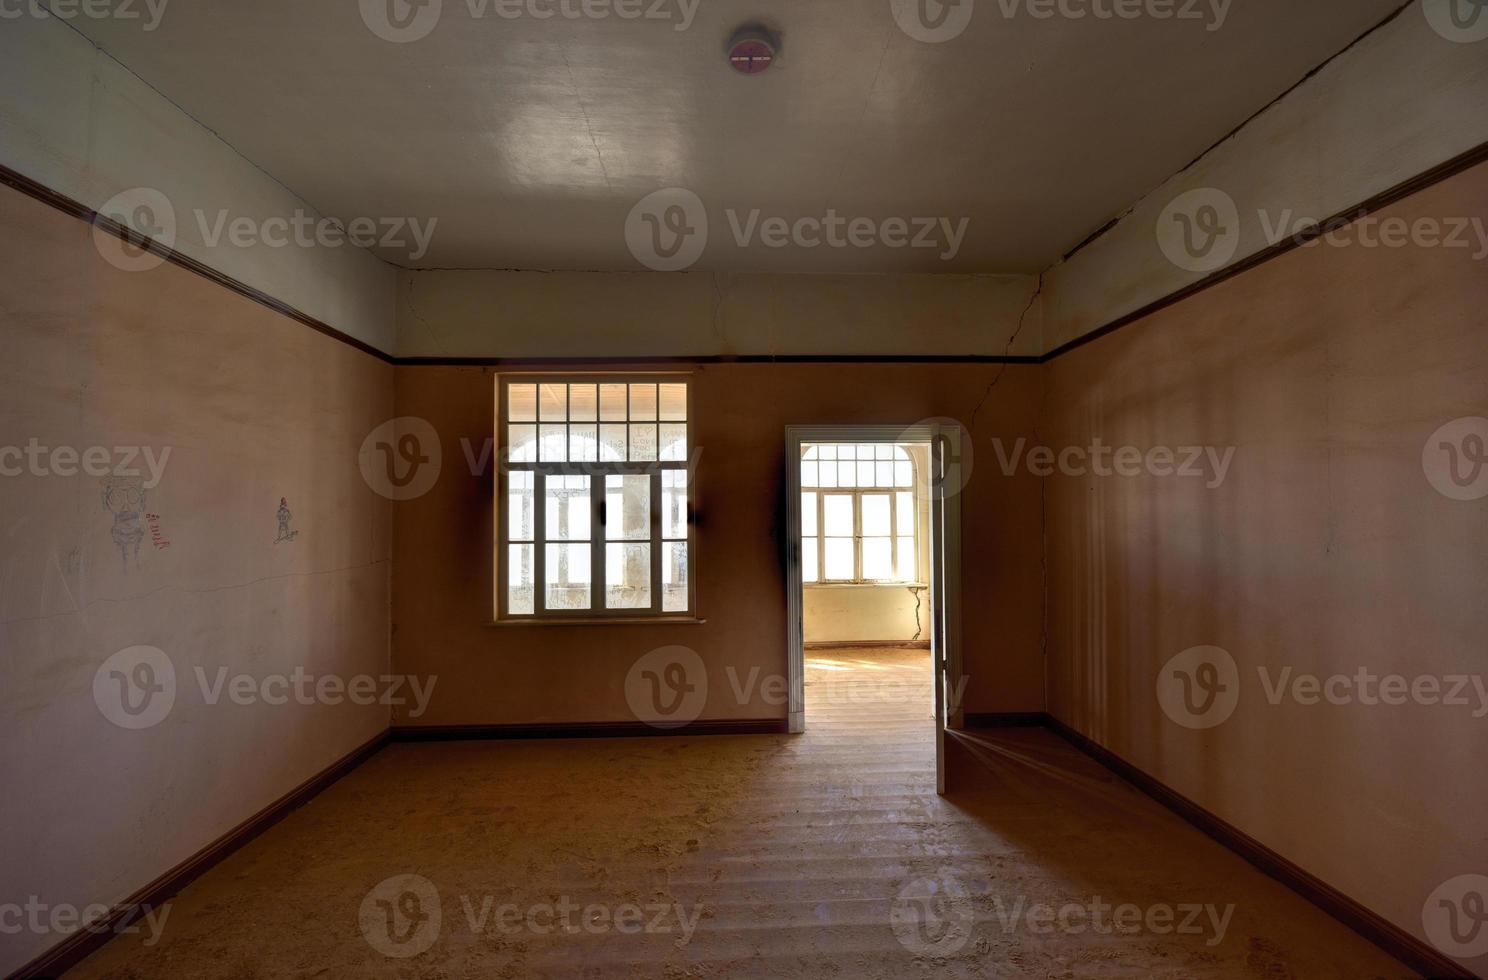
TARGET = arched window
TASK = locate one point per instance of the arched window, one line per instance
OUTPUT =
(859, 517)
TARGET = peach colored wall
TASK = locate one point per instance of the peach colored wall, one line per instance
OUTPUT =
(1325, 550)
(252, 407)
(530, 675)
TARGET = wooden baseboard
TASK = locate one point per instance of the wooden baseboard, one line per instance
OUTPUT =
(1006, 719)
(867, 644)
(1378, 930)
(72, 950)
(602, 729)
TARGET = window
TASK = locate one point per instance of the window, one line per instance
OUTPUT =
(596, 487)
(858, 514)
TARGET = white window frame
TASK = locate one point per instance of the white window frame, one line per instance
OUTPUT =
(858, 493)
(596, 471)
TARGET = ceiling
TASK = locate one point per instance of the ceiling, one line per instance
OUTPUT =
(530, 140)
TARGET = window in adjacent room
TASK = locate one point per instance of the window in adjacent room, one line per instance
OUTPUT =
(858, 514)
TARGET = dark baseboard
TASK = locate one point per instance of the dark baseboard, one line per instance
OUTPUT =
(867, 645)
(84, 942)
(1006, 719)
(600, 729)
(1383, 933)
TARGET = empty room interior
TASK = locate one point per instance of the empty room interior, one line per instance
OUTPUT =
(743, 488)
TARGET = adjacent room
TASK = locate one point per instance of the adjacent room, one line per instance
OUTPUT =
(702, 489)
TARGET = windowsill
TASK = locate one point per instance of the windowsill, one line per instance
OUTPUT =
(604, 621)
(867, 585)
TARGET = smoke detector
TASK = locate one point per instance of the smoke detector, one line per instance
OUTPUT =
(752, 49)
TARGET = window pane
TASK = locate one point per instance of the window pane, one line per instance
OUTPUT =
(519, 507)
(865, 473)
(554, 444)
(839, 559)
(643, 443)
(808, 474)
(583, 403)
(567, 508)
(903, 473)
(521, 403)
(847, 474)
(828, 474)
(867, 452)
(553, 401)
(808, 514)
(628, 508)
(837, 514)
(673, 504)
(568, 579)
(885, 451)
(612, 443)
(643, 403)
(878, 559)
(674, 403)
(883, 474)
(674, 442)
(828, 452)
(876, 515)
(809, 558)
(908, 565)
(904, 503)
(612, 403)
(519, 591)
(674, 577)
(583, 444)
(521, 443)
(627, 576)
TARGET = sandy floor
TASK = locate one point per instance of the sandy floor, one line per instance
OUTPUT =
(823, 855)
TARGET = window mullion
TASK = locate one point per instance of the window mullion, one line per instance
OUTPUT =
(598, 601)
(657, 504)
(539, 541)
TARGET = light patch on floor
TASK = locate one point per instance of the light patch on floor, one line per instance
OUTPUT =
(821, 855)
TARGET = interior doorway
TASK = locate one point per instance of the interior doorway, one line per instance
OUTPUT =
(873, 562)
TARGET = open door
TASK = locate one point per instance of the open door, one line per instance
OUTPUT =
(942, 486)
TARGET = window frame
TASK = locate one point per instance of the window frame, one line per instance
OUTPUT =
(597, 471)
(857, 494)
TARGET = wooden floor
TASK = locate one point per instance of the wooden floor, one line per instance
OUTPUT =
(822, 855)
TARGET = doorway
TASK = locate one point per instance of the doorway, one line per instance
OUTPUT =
(873, 563)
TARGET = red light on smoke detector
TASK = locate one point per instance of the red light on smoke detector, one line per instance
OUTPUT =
(752, 50)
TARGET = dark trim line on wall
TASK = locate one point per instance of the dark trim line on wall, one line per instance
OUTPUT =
(1385, 934)
(1453, 167)
(1435, 175)
(104, 223)
(76, 947)
(593, 729)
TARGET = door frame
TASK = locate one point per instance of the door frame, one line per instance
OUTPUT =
(945, 562)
